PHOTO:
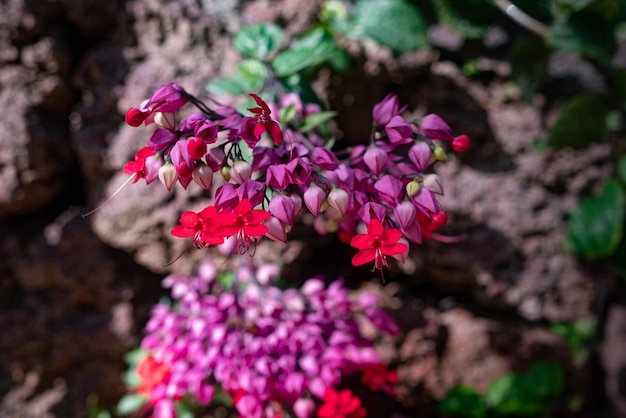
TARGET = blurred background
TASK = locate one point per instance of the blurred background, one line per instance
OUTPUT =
(75, 292)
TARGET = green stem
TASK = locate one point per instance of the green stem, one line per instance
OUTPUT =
(523, 19)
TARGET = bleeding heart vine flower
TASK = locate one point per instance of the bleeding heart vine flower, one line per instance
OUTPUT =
(376, 244)
(265, 121)
(245, 223)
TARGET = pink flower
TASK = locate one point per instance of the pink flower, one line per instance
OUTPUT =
(433, 127)
(385, 110)
(138, 165)
(376, 244)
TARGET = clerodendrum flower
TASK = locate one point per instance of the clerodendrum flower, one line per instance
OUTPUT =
(198, 226)
(244, 222)
(376, 244)
(265, 121)
(151, 373)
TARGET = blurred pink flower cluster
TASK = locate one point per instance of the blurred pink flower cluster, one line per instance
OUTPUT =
(275, 352)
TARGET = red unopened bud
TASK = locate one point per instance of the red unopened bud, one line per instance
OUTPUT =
(168, 175)
(135, 117)
(203, 176)
(439, 219)
(461, 143)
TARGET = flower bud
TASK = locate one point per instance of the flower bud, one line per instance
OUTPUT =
(440, 154)
(433, 183)
(338, 199)
(304, 408)
(225, 172)
(166, 120)
(215, 158)
(283, 208)
(420, 154)
(203, 175)
(240, 172)
(314, 198)
(406, 215)
(275, 230)
(412, 188)
(168, 175)
(375, 159)
(297, 201)
(461, 143)
(152, 166)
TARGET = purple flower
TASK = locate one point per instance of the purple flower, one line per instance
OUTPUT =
(385, 110)
(433, 127)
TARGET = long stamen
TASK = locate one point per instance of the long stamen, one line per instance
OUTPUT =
(84, 215)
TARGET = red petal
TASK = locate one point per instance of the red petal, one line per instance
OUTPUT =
(394, 249)
(276, 132)
(390, 236)
(362, 241)
(190, 220)
(211, 237)
(375, 228)
(261, 103)
(257, 216)
(207, 213)
(259, 129)
(182, 232)
(243, 207)
(255, 230)
(363, 257)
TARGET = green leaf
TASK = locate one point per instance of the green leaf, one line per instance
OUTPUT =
(586, 33)
(596, 224)
(544, 381)
(258, 41)
(581, 122)
(253, 69)
(396, 24)
(313, 49)
(296, 84)
(470, 18)
(500, 390)
(529, 62)
(315, 120)
(464, 401)
(133, 357)
(130, 403)
(235, 84)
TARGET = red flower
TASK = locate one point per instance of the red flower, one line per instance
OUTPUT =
(138, 165)
(197, 225)
(341, 404)
(378, 376)
(152, 373)
(376, 244)
(265, 121)
(244, 222)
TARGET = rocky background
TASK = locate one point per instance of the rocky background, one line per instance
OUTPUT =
(75, 292)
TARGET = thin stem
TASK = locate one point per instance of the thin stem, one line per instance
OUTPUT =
(523, 19)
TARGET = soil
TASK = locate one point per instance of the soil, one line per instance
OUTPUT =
(76, 292)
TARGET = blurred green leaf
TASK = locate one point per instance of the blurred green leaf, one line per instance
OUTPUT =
(313, 49)
(501, 393)
(297, 84)
(470, 18)
(258, 41)
(596, 224)
(544, 380)
(396, 24)
(235, 84)
(581, 122)
(586, 33)
(529, 62)
(464, 401)
(621, 169)
(315, 120)
(130, 403)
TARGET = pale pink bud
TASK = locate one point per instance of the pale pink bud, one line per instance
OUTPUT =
(420, 154)
(168, 175)
(304, 408)
(275, 230)
(240, 172)
(297, 201)
(283, 207)
(314, 197)
(406, 215)
(403, 256)
(203, 175)
(433, 183)
(375, 159)
(166, 120)
(153, 164)
(338, 199)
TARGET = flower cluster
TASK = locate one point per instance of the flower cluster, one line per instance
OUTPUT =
(275, 352)
(384, 185)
